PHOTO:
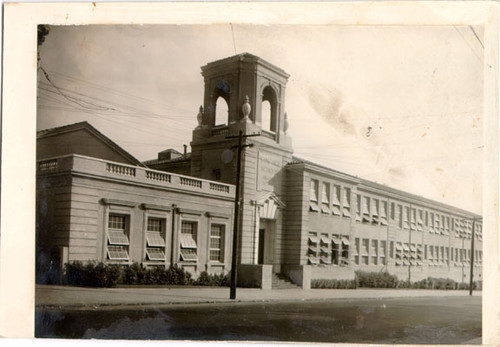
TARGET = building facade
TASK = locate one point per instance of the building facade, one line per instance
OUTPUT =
(298, 218)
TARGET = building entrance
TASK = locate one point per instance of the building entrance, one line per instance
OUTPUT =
(265, 253)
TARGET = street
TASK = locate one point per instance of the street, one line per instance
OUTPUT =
(421, 320)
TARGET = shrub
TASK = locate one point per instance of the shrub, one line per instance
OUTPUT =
(206, 279)
(92, 274)
(334, 284)
(376, 279)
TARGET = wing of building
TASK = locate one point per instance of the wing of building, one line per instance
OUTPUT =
(96, 202)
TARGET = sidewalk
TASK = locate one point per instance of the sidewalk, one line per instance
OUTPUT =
(49, 296)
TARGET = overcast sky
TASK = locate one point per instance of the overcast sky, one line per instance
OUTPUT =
(399, 105)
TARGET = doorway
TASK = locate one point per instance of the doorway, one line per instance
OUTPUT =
(265, 253)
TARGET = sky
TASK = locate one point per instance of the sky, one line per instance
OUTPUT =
(398, 105)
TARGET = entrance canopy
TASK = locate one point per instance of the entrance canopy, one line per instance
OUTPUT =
(268, 203)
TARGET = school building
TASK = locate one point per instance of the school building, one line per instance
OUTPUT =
(298, 219)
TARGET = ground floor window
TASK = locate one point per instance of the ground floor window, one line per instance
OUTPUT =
(155, 239)
(217, 232)
(188, 237)
(118, 239)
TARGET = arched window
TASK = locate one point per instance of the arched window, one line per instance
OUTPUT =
(269, 109)
(266, 115)
(221, 111)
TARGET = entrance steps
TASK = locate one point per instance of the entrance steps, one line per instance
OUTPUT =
(281, 282)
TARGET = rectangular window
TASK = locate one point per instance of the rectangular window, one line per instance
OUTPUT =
(392, 250)
(345, 251)
(431, 223)
(336, 244)
(325, 198)
(426, 218)
(413, 219)
(393, 211)
(383, 250)
(188, 242)
(155, 239)
(383, 213)
(336, 200)
(374, 252)
(400, 216)
(118, 241)
(406, 218)
(313, 248)
(375, 211)
(346, 202)
(313, 196)
(364, 251)
(420, 220)
(216, 249)
(366, 209)
(325, 256)
(358, 208)
(356, 251)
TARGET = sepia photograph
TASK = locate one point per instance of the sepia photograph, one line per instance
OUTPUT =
(261, 182)
(324, 160)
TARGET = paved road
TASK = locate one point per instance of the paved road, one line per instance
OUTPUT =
(63, 296)
(422, 320)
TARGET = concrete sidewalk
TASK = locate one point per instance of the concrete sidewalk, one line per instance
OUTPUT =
(48, 296)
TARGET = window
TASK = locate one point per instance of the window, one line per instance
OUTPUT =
(420, 220)
(358, 208)
(325, 249)
(221, 110)
(336, 244)
(406, 217)
(345, 251)
(375, 210)
(356, 251)
(383, 213)
(325, 198)
(216, 247)
(413, 219)
(426, 218)
(346, 202)
(155, 239)
(313, 203)
(383, 250)
(269, 109)
(118, 242)
(364, 251)
(312, 248)
(431, 223)
(400, 216)
(436, 224)
(393, 211)
(392, 249)
(374, 252)
(366, 209)
(188, 243)
(336, 200)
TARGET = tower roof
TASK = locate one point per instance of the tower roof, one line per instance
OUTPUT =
(247, 58)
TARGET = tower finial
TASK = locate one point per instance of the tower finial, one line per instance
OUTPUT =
(246, 109)
(199, 117)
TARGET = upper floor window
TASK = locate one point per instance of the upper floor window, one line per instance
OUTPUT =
(383, 213)
(336, 200)
(366, 209)
(325, 197)
(269, 109)
(313, 196)
(346, 202)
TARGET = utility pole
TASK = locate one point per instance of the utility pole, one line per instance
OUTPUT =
(237, 209)
(471, 282)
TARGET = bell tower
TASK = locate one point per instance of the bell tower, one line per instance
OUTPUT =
(253, 93)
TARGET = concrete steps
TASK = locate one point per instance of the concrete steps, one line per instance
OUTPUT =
(281, 282)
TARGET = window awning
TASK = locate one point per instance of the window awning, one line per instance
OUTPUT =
(325, 239)
(117, 237)
(335, 209)
(346, 211)
(154, 239)
(188, 254)
(326, 260)
(325, 208)
(155, 254)
(313, 260)
(336, 240)
(345, 240)
(187, 241)
(399, 247)
(405, 247)
(313, 239)
(117, 253)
